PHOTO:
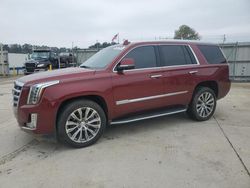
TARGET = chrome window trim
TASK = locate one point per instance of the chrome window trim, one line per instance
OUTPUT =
(142, 45)
(127, 101)
(196, 59)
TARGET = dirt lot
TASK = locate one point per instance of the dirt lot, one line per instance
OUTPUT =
(171, 151)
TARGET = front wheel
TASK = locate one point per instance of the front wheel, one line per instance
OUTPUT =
(203, 104)
(81, 123)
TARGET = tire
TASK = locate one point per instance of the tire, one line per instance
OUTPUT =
(203, 104)
(75, 129)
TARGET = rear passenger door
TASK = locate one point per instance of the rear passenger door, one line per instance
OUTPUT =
(179, 72)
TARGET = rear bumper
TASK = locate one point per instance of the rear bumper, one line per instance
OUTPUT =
(224, 88)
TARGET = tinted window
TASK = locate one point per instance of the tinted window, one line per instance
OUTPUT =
(174, 55)
(212, 54)
(144, 57)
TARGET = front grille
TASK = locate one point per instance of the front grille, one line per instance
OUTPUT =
(17, 92)
(30, 67)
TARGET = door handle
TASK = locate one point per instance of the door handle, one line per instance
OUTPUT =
(193, 72)
(156, 76)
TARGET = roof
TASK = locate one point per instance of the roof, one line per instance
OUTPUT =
(173, 42)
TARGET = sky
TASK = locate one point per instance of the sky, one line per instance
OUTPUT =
(63, 22)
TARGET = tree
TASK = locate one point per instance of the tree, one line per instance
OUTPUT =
(27, 48)
(100, 46)
(186, 32)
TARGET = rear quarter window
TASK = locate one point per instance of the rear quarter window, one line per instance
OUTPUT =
(212, 54)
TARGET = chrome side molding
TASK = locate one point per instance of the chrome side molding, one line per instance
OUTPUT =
(126, 101)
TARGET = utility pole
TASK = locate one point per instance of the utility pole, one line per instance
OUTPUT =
(73, 55)
(1, 59)
(224, 39)
(97, 45)
(235, 59)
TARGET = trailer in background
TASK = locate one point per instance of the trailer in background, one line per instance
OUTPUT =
(83, 54)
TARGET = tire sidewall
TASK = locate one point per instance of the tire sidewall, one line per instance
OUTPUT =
(63, 117)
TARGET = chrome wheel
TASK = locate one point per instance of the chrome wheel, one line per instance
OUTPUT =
(83, 124)
(205, 104)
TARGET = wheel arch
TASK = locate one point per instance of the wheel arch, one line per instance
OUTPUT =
(210, 84)
(96, 98)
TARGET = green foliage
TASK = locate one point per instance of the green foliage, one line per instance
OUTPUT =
(27, 48)
(186, 32)
(98, 45)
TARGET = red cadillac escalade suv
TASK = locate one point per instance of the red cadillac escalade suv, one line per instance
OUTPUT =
(122, 84)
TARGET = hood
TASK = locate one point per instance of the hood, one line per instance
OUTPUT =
(61, 74)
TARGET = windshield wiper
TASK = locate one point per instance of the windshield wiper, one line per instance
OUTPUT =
(86, 67)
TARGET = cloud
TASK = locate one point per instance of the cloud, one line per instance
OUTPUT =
(61, 22)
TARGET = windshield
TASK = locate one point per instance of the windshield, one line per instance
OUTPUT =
(40, 55)
(102, 58)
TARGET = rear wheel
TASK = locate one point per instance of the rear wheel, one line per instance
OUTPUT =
(203, 104)
(81, 123)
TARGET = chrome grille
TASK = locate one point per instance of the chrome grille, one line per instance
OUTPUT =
(30, 67)
(16, 91)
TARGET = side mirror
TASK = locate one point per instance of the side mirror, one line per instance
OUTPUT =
(126, 64)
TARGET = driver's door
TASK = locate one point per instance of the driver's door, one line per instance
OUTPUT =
(138, 89)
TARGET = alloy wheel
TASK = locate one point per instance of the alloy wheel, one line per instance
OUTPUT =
(205, 104)
(83, 124)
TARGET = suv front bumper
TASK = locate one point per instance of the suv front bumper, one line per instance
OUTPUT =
(37, 119)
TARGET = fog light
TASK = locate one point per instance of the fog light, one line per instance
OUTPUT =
(33, 121)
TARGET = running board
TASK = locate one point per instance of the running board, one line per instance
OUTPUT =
(149, 115)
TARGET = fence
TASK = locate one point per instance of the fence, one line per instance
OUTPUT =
(238, 57)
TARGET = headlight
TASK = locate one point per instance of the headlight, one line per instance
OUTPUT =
(36, 91)
(40, 65)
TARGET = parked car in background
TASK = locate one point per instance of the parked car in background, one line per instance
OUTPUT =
(40, 60)
(122, 84)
